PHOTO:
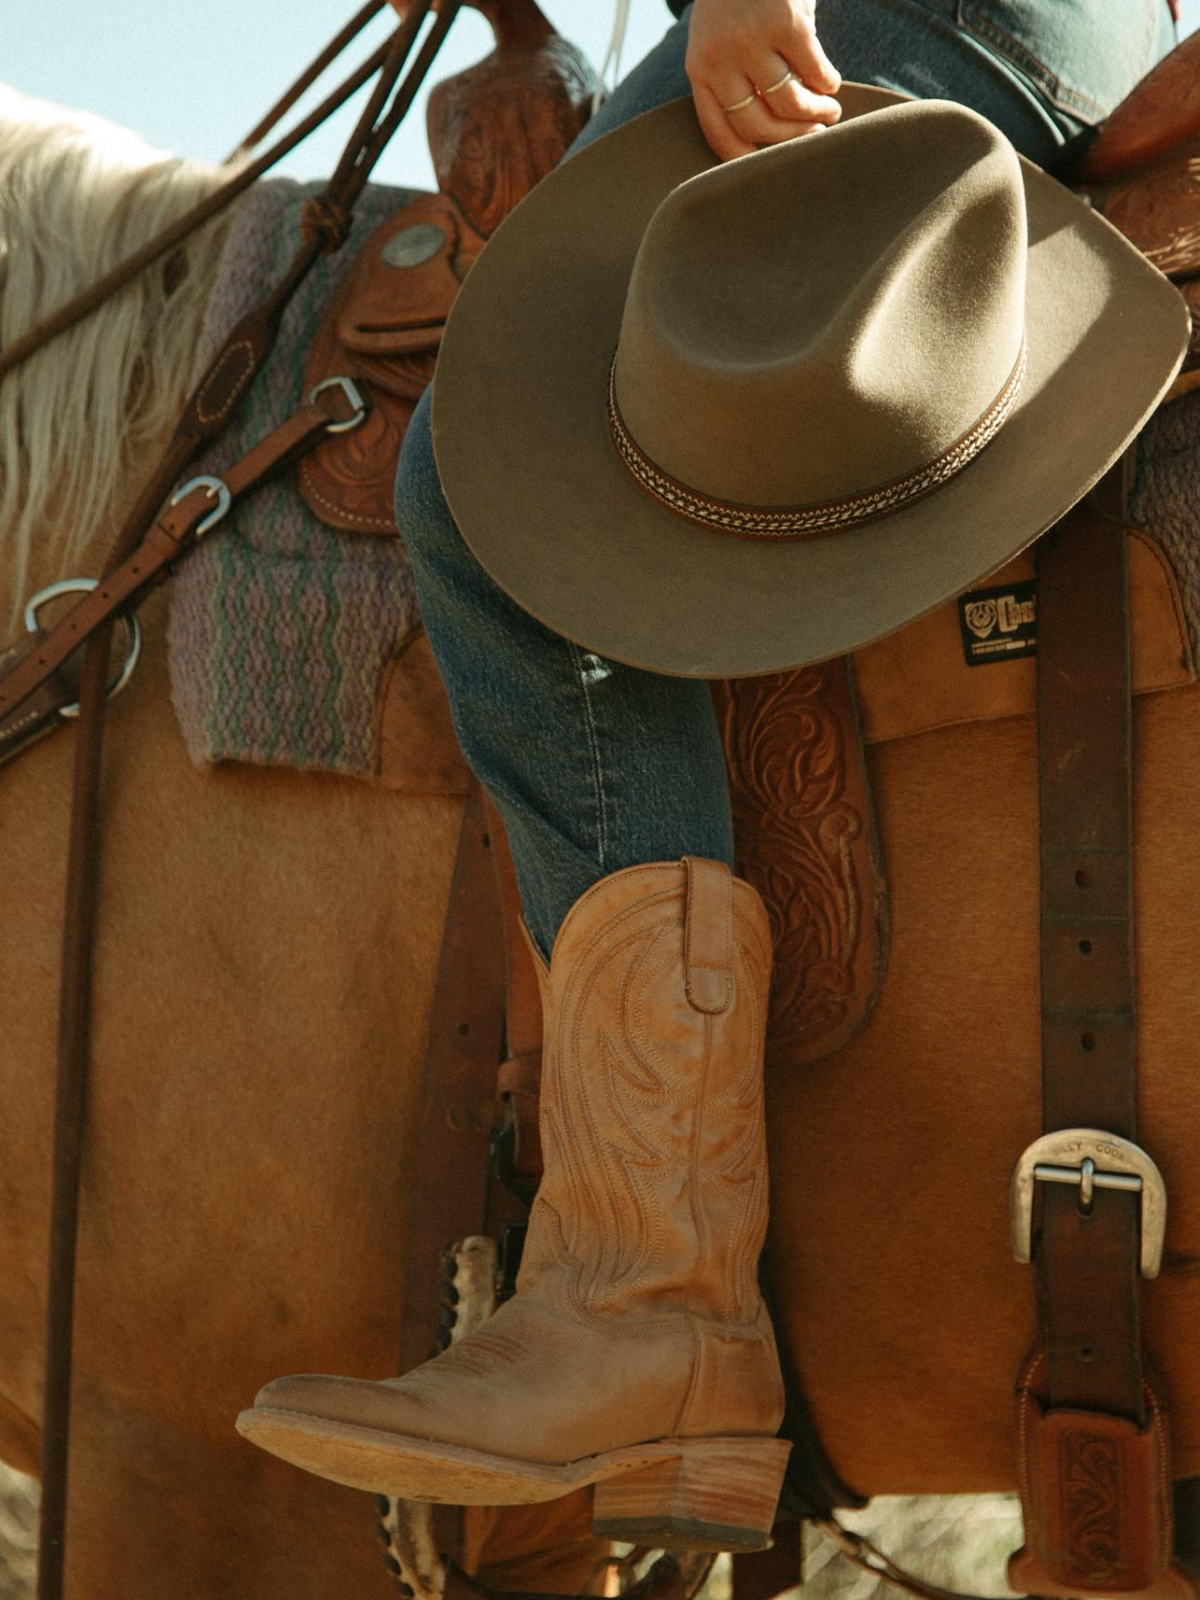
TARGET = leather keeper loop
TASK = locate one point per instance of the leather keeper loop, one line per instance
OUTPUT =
(1096, 1497)
(38, 714)
(708, 935)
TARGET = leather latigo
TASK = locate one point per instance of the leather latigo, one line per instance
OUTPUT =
(917, 679)
(805, 838)
(494, 130)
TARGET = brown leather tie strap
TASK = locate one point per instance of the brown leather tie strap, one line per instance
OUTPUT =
(868, 1557)
(320, 64)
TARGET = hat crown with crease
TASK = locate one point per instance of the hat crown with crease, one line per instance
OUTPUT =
(727, 420)
(830, 316)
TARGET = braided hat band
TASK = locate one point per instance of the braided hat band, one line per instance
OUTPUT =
(796, 522)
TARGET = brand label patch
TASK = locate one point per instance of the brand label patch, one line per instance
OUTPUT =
(998, 624)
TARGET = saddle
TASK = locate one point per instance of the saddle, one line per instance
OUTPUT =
(798, 755)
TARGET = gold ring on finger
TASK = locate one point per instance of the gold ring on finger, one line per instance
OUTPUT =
(740, 105)
(787, 78)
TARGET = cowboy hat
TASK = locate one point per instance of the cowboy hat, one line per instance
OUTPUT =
(715, 420)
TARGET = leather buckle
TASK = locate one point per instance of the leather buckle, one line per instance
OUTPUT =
(216, 489)
(133, 633)
(353, 397)
(1094, 1160)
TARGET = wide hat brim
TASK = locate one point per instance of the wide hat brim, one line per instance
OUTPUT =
(522, 439)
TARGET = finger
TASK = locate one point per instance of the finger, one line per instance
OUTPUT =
(793, 101)
(806, 55)
(723, 138)
(758, 126)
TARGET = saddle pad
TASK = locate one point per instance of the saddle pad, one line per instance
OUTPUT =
(920, 679)
(281, 628)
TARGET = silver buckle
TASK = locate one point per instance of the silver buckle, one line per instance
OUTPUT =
(133, 648)
(217, 489)
(1094, 1160)
(353, 394)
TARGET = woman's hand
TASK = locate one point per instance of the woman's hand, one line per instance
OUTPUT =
(740, 54)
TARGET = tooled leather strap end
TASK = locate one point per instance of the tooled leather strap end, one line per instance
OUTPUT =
(1096, 1497)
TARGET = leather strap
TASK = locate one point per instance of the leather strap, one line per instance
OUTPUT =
(38, 715)
(179, 527)
(1093, 1442)
(1087, 1259)
(448, 1174)
(82, 305)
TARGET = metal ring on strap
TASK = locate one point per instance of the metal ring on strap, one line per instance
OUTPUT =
(133, 632)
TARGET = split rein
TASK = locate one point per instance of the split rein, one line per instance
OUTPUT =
(160, 530)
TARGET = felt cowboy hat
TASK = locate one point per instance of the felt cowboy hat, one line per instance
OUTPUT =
(716, 420)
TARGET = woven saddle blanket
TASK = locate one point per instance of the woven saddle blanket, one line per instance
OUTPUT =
(280, 628)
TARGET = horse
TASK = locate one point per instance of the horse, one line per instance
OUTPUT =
(325, 942)
(265, 971)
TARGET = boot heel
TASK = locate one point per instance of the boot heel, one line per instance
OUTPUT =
(716, 1494)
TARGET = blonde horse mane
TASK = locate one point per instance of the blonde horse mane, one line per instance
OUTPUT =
(80, 420)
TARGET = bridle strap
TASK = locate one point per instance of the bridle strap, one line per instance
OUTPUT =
(185, 520)
(316, 68)
(205, 415)
(82, 305)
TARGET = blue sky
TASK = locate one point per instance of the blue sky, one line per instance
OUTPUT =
(193, 75)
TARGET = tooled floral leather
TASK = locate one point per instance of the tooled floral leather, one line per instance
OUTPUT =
(1096, 1499)
(805, 838)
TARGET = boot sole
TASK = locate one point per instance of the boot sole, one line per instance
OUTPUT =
(685, 1494)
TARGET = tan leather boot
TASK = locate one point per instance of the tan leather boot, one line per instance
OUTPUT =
(636, 1354)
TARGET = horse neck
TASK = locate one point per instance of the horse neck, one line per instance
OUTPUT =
(83, 422)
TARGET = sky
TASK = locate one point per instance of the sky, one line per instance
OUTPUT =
(192, 76)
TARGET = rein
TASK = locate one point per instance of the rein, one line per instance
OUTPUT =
(156, 534)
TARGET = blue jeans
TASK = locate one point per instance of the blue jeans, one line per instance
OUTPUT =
(595, 766)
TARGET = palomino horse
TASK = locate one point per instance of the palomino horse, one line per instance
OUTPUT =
(264, 979)
(267, 938)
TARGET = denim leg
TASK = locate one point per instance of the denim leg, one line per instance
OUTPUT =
(593, 766)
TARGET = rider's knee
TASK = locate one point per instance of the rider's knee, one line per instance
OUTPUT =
(422, 514)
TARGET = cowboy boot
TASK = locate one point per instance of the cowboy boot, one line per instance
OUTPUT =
(636, 1354)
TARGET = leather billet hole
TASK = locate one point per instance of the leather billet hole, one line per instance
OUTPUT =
(1087, 1041)
(1083, 878)
(1085, 947)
